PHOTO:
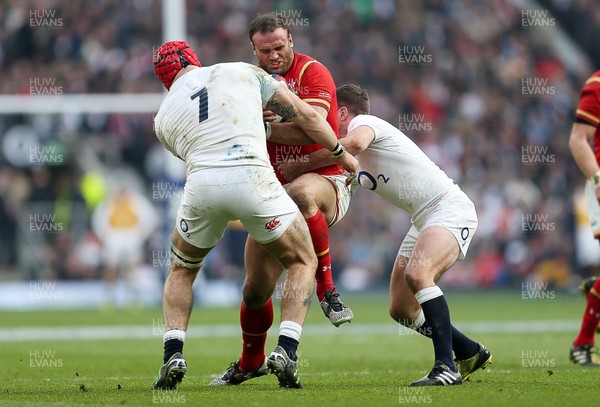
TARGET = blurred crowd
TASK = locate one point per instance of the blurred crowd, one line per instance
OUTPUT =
(478, 85)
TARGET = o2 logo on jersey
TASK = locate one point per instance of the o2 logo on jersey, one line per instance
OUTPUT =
(368, 181)
(183, 225)
(464, 235)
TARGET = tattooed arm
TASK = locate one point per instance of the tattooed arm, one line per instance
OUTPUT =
(312, 127)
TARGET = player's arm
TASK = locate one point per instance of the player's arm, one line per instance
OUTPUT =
(357, 141)
(291, 108)
(579, 144)
(292, 134)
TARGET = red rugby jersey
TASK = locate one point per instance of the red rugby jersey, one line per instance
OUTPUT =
(588, 110)
(310, 81)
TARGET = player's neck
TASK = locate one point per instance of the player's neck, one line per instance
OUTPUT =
(184, 71)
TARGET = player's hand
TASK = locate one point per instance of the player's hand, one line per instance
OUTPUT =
(270, 116)
(291, 169)
(348, 161)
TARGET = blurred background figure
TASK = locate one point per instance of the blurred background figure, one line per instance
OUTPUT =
(123, 222)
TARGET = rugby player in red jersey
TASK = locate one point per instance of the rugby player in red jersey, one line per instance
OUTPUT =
(586, 129)
(322, 196)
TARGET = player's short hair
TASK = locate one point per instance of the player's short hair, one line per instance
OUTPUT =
(354, 98)
(267, 23)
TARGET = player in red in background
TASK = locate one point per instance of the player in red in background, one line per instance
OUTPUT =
(322, 196)
(585, 129)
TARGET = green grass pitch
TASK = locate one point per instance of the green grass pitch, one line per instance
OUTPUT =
(367, 363)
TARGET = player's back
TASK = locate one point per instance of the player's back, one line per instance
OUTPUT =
(212, 116)
(397, 169)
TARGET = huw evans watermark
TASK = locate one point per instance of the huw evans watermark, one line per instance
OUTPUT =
(414, 55)
(46, 155)
(414, 395)
(534, 155)
(166, 191)
(536, 290)
(44, 358)
(44, 86)
(537, 19)
(44, 290)
(536, 358)
(537, 223)
(44, 223)
(42, 18)
(413, 123)
(537, 87)
(291, 18)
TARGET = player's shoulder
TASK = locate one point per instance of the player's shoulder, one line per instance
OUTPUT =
(593, 81)
(367, 120)
(305, 63)
(242, 67)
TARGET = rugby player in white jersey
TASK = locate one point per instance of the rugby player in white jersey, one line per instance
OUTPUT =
(212, 119)
(443, 223)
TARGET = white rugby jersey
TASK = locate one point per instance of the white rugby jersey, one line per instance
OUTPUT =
(397, 169)
(212, 116)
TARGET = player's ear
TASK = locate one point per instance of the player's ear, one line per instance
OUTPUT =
(342, 112)
(291, 40)
(253, 47)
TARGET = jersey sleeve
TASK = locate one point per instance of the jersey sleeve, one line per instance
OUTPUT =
(588, 110)
(268, 84)
(316, 86)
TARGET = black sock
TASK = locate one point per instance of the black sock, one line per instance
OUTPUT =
(437, 316)
(172, 346)
(290, 345)
(463, 347)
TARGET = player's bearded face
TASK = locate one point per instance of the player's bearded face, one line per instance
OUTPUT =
(273, 51)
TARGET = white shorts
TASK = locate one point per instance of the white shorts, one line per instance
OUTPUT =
(343, 194)
(251, 194)
(593, 208)
(454, 212)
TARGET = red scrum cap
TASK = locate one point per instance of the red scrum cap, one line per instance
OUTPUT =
(171, 58)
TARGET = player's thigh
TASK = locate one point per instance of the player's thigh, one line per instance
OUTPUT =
(266, 262)
(294, 246)
(311, 192)
(343, 194)
(181, 246)
(279, 237)
(434, 252)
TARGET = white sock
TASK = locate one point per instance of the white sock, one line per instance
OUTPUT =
(428, 293)
(174, 334)
(418, 322)
(290, 329)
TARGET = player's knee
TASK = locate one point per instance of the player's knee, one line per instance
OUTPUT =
(304, 198)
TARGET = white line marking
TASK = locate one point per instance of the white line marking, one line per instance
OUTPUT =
(228, 331)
